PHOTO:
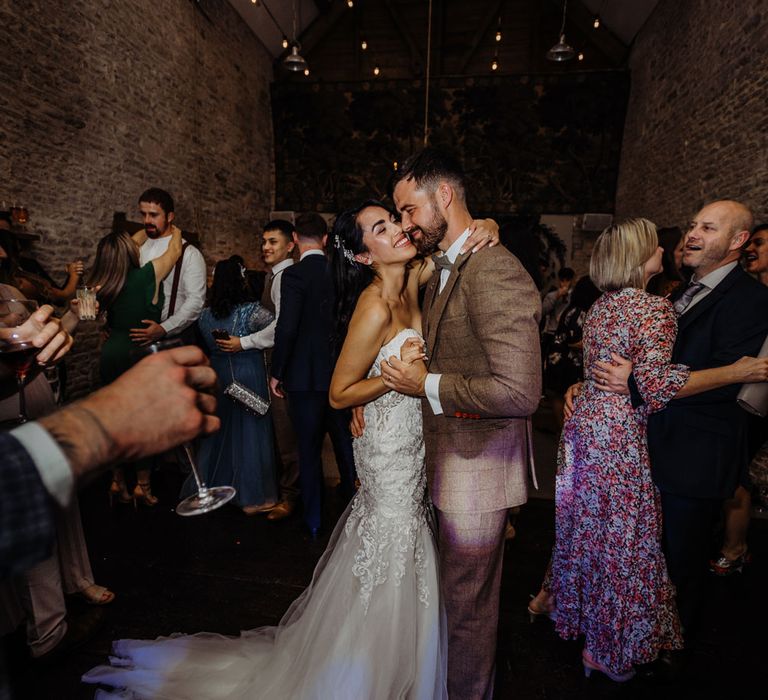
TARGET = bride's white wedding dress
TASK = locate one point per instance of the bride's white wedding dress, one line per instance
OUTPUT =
(369, 626)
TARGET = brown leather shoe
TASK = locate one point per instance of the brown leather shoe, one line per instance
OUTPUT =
(281, 510)
(255, 510)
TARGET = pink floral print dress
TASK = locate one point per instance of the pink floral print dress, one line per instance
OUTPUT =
(608, 576)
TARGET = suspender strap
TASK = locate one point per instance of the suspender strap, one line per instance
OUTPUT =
(176, 280)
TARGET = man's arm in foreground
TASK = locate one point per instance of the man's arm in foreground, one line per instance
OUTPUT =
(164, 400)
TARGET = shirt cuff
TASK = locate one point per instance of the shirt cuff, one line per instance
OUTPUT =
(172, 327)
(248, 342)
(49, 459)
(432, 390)
(261, 340)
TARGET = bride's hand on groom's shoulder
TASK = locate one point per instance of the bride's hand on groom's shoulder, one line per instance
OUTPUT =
(482, 233)
(413, 349)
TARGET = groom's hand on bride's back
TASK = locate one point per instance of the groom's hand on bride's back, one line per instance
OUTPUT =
(357, 424)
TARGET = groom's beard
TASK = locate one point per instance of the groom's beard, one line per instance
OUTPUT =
(431, 235)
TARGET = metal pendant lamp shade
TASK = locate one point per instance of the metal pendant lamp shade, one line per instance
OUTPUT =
(295, 62)
(561, 51)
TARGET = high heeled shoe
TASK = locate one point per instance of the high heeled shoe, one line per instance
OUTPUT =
(119, 489)
(143, 492)
(723, 566)
(591, 665)
(536, 613)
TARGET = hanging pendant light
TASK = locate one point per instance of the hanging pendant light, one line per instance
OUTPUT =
(561, 51)
(294, 61)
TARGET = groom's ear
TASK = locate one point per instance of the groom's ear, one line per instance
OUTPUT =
(363, 258)
(445, 194)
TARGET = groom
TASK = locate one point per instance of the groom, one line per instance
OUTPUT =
(480, 322)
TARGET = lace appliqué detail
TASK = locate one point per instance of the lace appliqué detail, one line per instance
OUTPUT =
(390, 514)
(387, 550)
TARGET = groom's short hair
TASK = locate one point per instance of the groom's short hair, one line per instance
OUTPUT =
(427, 168)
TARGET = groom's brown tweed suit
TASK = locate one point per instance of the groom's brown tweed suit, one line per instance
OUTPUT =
(482, 337)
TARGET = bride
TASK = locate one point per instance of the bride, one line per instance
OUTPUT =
(370, 625)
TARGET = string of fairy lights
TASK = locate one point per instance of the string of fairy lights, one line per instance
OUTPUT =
(364, 45)
(295, 62)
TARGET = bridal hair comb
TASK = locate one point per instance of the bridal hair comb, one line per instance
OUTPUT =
(346, 252)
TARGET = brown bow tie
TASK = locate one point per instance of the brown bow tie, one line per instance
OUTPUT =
(442, 262)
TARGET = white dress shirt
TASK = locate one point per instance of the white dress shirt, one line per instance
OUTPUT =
(265, 338)
(709, 281)
(314, 251)
(432, 382)
(190, 297)
(50, 461)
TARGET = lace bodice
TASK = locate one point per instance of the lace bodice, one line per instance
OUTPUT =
(391, 506)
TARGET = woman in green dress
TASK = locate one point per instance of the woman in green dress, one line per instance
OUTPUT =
(129, 294)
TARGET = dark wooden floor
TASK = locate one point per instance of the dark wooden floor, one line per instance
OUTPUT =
(224, 572)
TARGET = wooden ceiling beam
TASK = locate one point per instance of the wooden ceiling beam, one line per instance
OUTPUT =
(319, 28)
(417, 57)
(494, 9)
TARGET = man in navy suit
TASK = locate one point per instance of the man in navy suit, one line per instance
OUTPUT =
(302, 365)
(698, 444)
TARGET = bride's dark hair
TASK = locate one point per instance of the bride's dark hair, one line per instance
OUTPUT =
(350, 277)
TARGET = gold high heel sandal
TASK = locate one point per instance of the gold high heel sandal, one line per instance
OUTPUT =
(143, 492)
(535, 612)
(119, 489)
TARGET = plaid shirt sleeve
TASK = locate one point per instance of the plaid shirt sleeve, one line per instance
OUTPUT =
(26, 510)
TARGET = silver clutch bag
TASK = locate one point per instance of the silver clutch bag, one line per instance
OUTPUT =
(246, 397)
(238, 392)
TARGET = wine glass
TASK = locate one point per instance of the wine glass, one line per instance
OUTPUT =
(207, 498)
(16, 348)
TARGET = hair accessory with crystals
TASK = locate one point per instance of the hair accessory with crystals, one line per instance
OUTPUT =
(346, 252)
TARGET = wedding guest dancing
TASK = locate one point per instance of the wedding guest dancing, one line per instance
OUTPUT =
(608, 579)
(302, 366)
(241, 454)
(370, 625)
(131, 294)
(698, 446)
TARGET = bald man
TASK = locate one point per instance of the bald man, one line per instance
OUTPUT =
(698, 444)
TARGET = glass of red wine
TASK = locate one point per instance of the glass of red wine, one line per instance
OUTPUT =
(16, 349)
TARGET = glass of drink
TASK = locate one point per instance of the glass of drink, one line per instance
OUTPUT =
(207, 498)
(16, 349)
(86, 303)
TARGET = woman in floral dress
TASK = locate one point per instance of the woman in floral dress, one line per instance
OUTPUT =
(608, 579)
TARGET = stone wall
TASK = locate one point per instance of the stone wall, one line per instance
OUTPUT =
(102, 99)
(697, 122)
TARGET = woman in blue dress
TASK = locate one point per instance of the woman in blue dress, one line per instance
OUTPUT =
(241, 454)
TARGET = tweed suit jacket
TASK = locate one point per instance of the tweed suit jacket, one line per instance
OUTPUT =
(26, 510)
(482, 334)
